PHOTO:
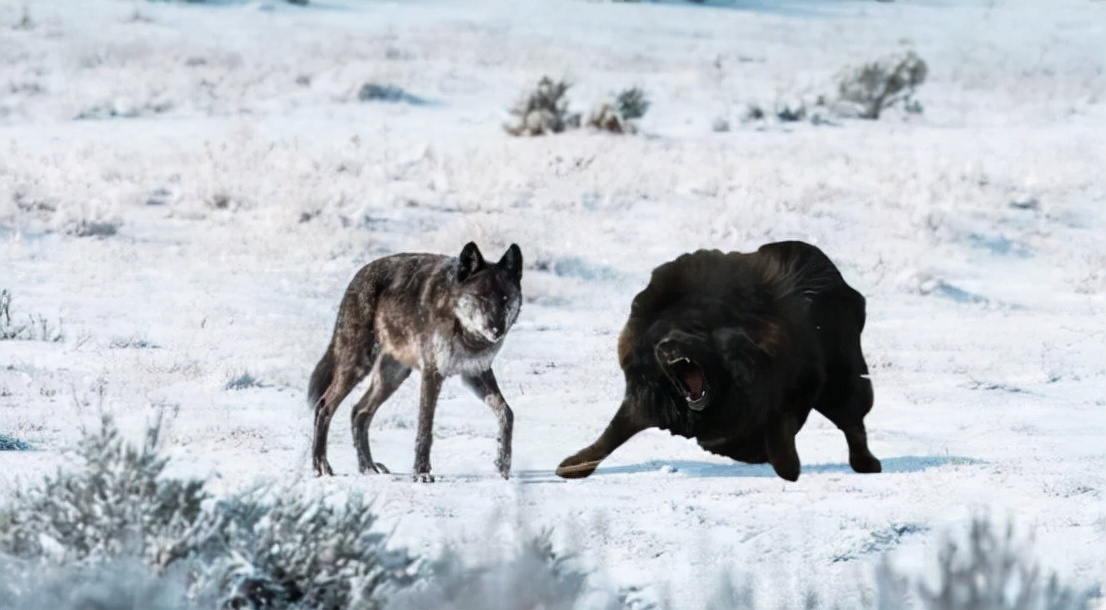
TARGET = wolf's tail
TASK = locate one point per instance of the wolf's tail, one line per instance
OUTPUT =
(320, 379)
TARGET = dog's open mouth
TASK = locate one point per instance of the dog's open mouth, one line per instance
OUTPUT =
(690, 379)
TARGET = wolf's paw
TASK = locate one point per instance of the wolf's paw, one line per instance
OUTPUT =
(423, 477)
(322, 467)
(573, 468)
(375, 468)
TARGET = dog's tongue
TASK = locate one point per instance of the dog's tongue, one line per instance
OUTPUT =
(693, 379)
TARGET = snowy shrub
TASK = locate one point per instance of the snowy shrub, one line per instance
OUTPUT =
(114, 504)
(8, 443)
(36, 328)
(873, 87)
(616, 115)
(264, 549)
(535, 577)
(85, 228)
(372, 92)
(25, 22)
(992, 571)
(114, 532)
(117, 585)
(242, 382)
(543, 111)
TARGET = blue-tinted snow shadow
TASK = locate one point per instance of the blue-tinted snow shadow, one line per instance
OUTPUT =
(689, 468)
(799, 8)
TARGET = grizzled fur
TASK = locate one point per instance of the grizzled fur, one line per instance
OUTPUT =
(436, 314)
(734, 350)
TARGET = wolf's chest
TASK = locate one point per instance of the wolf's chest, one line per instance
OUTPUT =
(451, 357)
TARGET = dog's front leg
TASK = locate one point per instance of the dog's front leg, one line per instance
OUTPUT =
(431, 388)
(623, 426)
(485, 386)
(780, 442)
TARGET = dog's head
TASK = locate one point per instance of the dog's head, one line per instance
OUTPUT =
(688, 362)
(490, 294)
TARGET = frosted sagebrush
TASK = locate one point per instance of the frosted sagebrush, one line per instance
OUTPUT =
(992, 571)
(617, 115)
(115, 507)
(243, 381)
(543, 111)
(114, 503)
(8, 443)
(262, 548)
(534, 577)
(117, 585)
(36, 328)
(875, 86)
(372, 92)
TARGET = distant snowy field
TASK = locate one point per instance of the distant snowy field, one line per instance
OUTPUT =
(246, 184)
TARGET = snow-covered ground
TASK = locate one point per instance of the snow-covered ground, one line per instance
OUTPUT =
(246, 184)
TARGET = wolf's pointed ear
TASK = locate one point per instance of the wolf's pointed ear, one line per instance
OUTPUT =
(512, 262)
(471, 261)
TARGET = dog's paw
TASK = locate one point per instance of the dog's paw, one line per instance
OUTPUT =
(572, 469)
(423, 477)
(867, 464)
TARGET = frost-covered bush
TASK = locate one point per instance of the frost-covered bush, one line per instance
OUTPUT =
(301, 552)
(534, 577)
(617, 115)
(8, 443)
(115, 503)
(115, 507)
(117, 585)
(36, 328)
(543, 111)
(372, 92)
(992, 571)
(873, 87)
(114, 532)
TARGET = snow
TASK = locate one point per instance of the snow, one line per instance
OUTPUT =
(247, 184)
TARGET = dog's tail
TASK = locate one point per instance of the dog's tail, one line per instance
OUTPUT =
(321, 378)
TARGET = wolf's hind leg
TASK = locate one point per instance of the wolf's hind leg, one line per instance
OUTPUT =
(350, 367)
(385, 379)
(485, 386)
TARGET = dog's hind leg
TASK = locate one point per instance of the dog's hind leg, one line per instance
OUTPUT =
(621, 429)
(780, 442)
(851, 400)
(428, 401)
(484, 385)
(386, 377)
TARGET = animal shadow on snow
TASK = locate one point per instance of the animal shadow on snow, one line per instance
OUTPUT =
(710, 470)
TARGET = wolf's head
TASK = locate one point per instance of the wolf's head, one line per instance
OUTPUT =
(490, 294)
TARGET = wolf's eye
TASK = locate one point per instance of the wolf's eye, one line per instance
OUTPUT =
(505, 298)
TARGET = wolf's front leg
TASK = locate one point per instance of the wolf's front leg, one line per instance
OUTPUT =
(431, 388)
(485, 386)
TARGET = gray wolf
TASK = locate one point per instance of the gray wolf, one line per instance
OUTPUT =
(734, 350)
(436, 314)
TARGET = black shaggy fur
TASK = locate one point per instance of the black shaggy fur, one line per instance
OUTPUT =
(734, 350)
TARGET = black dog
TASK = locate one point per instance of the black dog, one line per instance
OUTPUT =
(734, 350)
